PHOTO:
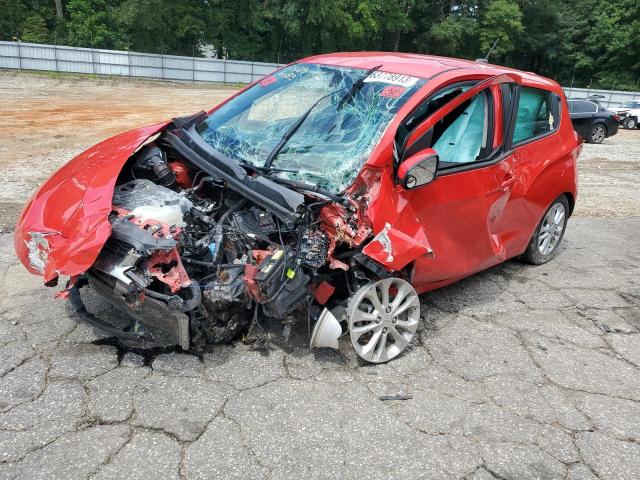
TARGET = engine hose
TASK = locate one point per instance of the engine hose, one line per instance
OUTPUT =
(191, 261)
(216, 232)
(220, 225)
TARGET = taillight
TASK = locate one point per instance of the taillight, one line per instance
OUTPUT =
(616, 117)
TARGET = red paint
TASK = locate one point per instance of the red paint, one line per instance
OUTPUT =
(72, 206)
(457, 225)
(182, 173)
(323, 292)
(253, 289)
(415, 159)
(268, 81)
(167, 267)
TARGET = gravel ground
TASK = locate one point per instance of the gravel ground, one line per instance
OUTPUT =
(519, 372)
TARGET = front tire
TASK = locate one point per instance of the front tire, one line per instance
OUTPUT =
(547, 236)
(597, 134)
(630, 123)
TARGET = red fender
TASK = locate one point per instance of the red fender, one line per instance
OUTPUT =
(65, 224)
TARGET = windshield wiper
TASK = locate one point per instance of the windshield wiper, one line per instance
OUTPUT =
(357, 85)
(291, 131)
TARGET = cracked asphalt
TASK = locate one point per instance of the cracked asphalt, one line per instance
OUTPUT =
(519, 372)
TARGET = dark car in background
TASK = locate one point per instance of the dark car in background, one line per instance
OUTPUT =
(592, 121)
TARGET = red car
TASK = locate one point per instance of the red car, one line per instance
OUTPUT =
(340, 186)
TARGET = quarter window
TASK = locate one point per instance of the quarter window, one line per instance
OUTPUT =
(536, 114)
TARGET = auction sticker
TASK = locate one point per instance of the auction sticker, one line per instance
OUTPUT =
(405, 81)
(268, 81)
(392, 91)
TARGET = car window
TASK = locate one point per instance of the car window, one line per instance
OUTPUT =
(426, 108)
(335, 137)
(460, 136)
(535, 115)
(463, 139)
(581, 106)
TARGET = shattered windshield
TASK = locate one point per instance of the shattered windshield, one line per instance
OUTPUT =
(336, 138)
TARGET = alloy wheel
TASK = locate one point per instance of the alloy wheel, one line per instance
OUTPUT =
(551, 228)
(631, 123)
(598, 134)
(383, 319)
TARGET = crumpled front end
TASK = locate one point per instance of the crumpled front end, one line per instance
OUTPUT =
(183, 240)
(65, 224)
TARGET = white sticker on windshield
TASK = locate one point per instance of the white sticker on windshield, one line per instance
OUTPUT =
(392, 78)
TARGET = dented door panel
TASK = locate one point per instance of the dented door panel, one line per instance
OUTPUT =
(460, 213)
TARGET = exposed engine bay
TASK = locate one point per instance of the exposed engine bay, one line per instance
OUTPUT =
(201, 253)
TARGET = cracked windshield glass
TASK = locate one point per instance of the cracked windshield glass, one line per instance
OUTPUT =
(332, 143)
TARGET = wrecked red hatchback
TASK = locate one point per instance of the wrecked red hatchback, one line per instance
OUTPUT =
(339, 187)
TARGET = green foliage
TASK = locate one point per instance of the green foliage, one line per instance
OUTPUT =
(501, 22)
(34, 29)
(90, 23)
(579, 42)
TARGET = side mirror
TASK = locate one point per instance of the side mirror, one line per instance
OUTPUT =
(419, 169)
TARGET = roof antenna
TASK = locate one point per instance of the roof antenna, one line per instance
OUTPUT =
(486, 59)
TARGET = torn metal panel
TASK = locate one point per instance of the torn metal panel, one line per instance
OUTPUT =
(72, 207)
(394, 248)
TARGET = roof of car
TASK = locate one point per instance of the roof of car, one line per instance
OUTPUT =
(423, 66)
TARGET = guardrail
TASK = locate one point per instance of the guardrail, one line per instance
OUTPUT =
(57, 58)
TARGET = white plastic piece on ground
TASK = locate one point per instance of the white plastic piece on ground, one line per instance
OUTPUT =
(169, 214)
(326, 332)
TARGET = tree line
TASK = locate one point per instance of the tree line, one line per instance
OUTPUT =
(578, 42)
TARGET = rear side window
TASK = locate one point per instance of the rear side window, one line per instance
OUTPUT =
(536, 115)
(580, 106)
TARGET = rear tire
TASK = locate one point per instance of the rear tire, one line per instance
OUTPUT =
(597, 134)
(548, 235)
(630, 123)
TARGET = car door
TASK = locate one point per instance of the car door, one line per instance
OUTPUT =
(536, 160)
(461, 210)
(583, 114)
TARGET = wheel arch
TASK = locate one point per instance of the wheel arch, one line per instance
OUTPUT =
(604, 125)
(572, 201)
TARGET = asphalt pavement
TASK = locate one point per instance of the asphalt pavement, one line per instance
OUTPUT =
(519, 372)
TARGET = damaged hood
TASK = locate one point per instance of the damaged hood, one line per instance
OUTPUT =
(65, 224)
